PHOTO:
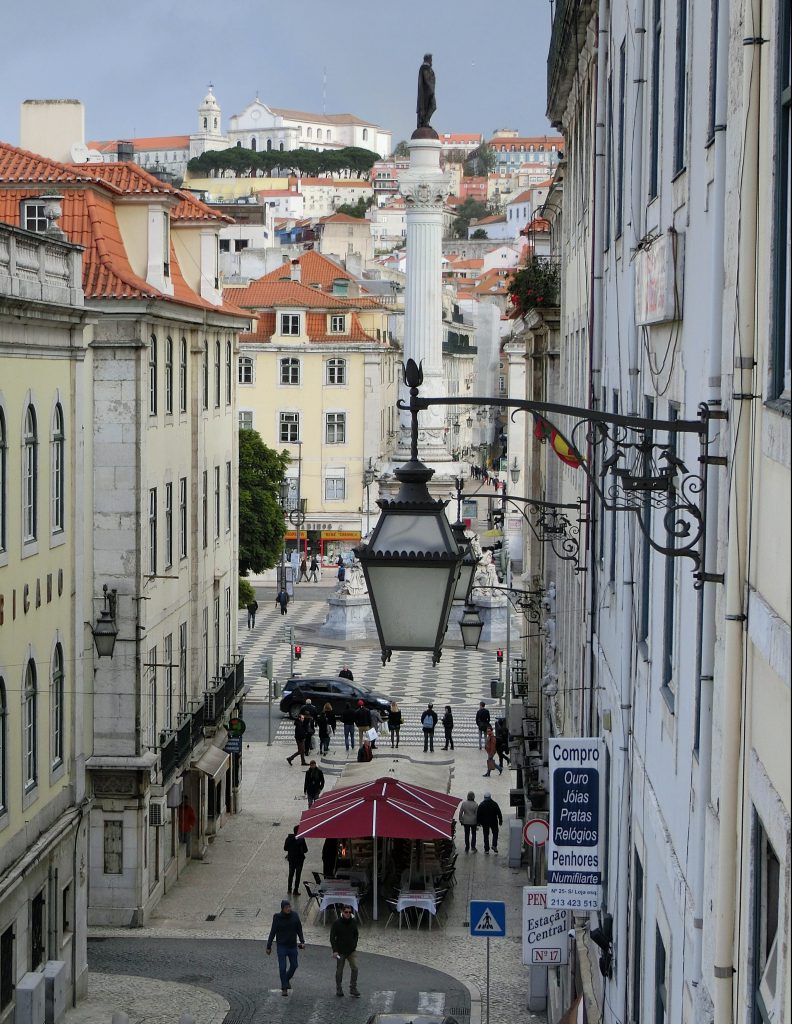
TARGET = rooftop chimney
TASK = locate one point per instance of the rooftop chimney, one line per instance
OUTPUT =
(126, 152)
(295, 271)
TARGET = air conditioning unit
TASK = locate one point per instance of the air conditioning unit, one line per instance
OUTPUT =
(213, 704)
(157, 811)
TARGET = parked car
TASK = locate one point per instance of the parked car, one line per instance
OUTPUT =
(329, 690)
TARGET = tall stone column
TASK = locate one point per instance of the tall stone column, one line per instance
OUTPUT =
(425, 189)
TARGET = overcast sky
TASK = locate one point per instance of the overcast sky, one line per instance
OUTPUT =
(142, 68)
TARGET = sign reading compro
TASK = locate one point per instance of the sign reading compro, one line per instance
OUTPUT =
(574, 855)
(545, 937)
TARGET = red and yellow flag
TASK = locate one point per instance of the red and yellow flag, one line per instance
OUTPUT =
(565, 450)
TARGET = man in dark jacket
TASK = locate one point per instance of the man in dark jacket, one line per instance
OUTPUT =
(362, 720)
(348, 721)
(482, 721)
(343, 943)
(301, 734)
(490, 818)
(346, 673)
(313, 784)
(428, 723)
(287, 931)
(296, 851)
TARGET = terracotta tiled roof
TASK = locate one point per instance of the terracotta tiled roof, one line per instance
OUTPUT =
(316, 328)
(523, 197)
(19, 165)
(343, 218)
(301, 115)
(492, 219)
(314, 269)
(459, 137)
(266, 293)
(152, 142)
(467, 265)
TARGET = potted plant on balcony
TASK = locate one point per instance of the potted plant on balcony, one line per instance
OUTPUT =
(536, 285)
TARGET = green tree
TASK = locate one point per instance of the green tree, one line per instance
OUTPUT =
(261, 522)
(482, 161)
(470, 210)
(401, 150)
(479, 233)
(357, 209)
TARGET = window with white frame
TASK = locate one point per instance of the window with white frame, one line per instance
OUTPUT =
(781, 313)
(290, 371)
(30, 727)
(335, 371)
(167, 650)
(289, 427)
(182, 517)
(217, 635)
(30, 477)
(246, 370)
(217, 500)
(229, 495)
(228, 625)
(152, 366)
(183, 667)
(168, 376)
(58, 469)
(205, 508)
(3, 481)
(152, 519)
(151, 699)
(335, 428)
(33, 217)
(290, 324)
(337, 324)
(205, 374)
(245, 419)
(205, 644)
(183, 375)
(168, 525)
(217, 366)
(229, 388)
(56, 707)
(335, 484)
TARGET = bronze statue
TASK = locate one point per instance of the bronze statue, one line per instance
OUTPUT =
(426, 92)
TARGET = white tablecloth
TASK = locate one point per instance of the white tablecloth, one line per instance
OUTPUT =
(423, 900)
(348, 897)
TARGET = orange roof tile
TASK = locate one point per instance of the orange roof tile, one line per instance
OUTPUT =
(342, 218)
(265, 293)
(316, 329)
(314, 269)
(151, 142)
(20, 165)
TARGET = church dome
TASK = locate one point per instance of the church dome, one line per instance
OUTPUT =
(209, 101)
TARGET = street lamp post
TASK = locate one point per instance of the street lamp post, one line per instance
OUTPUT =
(369, 476)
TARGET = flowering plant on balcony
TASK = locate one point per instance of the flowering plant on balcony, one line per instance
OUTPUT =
(536, 285)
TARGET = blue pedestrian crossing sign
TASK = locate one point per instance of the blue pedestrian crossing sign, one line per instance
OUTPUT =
(487, 919)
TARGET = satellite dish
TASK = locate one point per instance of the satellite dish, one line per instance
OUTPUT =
(79, 153)
(95, 157)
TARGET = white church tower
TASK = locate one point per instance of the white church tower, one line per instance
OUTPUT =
(210, 127)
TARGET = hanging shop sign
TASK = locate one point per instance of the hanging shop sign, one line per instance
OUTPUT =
(574, 854)
(545, 929)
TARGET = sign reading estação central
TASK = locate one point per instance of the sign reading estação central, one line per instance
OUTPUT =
(545, 929)
(574, 855)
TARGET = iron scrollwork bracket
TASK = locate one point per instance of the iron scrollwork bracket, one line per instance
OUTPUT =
(550, 524)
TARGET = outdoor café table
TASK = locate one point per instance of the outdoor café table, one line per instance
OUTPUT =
(331, 897)
(335, 884)
(421, 899)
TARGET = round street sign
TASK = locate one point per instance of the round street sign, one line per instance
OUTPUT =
(536, 832)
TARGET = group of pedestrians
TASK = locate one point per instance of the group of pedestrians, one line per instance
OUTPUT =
(477, 473)
(309, 571)
(487, 816)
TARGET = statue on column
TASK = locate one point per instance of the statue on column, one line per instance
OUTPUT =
(426, 92)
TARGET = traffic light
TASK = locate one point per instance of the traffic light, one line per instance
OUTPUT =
(297, 652)
(499, 656)
(266, 666)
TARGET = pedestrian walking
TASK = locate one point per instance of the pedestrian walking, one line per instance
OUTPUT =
(448, 727)
(362, 720)
(252, 608)
(502, 742)
(491, 748)
(313, 784)
(394, 723)
(490, 819)
(314, 572)
(348, 722)
(468, 811)
(346, 673)
(332, 721)
(482, 721)
(283, 601)
(287, 932)
(309, 709)
(428, 723)
(300, 736)
(341, 574)
(296, 851)
(329, 857)
(323, 729)
(365, 754)
(187, 822)
(376, 722)
(343, 943)
(303, 571)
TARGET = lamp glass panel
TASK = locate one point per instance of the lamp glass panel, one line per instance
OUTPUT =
(463, 583)
(471, 632)
(410, 602)
(414, 533)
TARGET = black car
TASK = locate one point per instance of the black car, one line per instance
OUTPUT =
(329, 690)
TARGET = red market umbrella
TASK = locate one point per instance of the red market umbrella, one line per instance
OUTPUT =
(386, 807)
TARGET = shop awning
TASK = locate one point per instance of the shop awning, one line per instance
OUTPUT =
(212, 763)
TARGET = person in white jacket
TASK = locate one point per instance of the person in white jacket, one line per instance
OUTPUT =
(468, 811)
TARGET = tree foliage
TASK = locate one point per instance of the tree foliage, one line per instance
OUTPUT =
(401, 150)
(536, 285)
(471, 209)
(261, 523)
(247, 163)
(482, 161)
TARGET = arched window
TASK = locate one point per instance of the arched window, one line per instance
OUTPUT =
(318, 133)
(309, 133)
(168, 376)
(206, 124)
(239, 144)
(280, 147)
(217, 361)
(56, 706)
(215, 124)
(3, 481)
(327, 135)
(58, 471)
(29, 738)
(253, 144)
(269, 145)
(365, 134)
(153, 375)
(3, 748)
(30, 477)
(183, 375)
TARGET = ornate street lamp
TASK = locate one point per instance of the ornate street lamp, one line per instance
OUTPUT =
(470, 626)
(456, 426)
(412, 561)
(514, 471)
(469, 422)
(105, 631)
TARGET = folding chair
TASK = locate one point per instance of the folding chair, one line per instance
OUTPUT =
(317, 877)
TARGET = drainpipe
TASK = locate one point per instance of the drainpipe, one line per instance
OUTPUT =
(705, 650)
(743, 388)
